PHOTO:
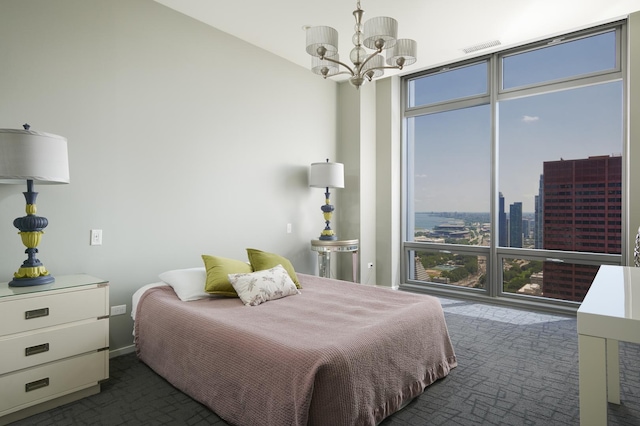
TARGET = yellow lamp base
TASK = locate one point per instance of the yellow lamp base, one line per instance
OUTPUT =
(31, 272)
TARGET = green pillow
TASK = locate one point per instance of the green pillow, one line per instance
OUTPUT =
(261, 260)
(218, 270)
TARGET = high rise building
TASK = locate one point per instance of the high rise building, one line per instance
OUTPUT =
(515, 224)
(582, 212)
(502, 223)
(539, 216)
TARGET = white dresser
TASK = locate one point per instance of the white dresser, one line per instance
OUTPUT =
(54, 342)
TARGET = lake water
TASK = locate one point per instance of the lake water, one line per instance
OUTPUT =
(429, 220)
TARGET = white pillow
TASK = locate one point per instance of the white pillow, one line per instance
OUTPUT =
(260, 286)
(187, 283)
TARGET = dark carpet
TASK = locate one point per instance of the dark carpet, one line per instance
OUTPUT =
(515, 368)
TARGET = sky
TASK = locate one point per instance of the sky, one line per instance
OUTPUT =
(452, 157)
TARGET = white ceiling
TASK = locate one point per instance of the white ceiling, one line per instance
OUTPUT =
(442, 28)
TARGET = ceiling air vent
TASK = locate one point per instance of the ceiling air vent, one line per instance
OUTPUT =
(481, 46)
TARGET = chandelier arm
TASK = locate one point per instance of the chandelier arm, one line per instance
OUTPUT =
(369, 72)
(386, 67)
(339, 63)
(338, 73)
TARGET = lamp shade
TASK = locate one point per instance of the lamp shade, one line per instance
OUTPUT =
(326, 175)
(405, 48)
(322, 36)
(324, 67)
(380, 28)
(374, 65)
(37, 156)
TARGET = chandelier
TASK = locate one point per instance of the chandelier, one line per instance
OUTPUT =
(378, 34)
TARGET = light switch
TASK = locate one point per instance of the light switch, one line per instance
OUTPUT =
(96, 237)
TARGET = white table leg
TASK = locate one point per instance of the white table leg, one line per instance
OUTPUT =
(593, 380)
(613, 372)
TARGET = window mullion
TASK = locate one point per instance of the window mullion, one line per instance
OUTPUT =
(494, 274)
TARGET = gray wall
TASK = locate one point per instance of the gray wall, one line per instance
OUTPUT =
(182, 141)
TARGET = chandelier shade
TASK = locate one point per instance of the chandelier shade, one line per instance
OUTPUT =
(322, 37)
(380, 28)
(379, 34)
(324, 67)
(375, 66)
(405, 49)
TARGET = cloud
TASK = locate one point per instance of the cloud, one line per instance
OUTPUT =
(529, 119)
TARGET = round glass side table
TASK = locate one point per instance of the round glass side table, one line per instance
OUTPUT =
(326, 247)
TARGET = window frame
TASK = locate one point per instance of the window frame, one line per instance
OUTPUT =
(495, 254)
(589, 78)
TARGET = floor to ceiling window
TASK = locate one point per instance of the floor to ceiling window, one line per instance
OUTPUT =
(514, 170)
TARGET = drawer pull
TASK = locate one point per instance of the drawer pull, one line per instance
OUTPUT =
(36, 313)
(42, 383)
(38, 349)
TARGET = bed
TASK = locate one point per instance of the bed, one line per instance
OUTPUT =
(337, 353)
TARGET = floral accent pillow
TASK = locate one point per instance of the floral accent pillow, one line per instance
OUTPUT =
(261, 286)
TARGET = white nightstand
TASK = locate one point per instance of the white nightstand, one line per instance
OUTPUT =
(324, 249)
(54, 341)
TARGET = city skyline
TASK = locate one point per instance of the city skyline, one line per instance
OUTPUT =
(579, 210)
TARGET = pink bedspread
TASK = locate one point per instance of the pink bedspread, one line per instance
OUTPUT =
(337, 354)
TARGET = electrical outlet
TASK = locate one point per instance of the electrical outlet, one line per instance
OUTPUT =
(370, 265)
(118, 310)
(95, 237)
(288, 228)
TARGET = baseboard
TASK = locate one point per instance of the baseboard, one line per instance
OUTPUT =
(122, 351)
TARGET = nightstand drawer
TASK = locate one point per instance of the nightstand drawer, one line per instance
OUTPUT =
(50, 344)
(38, 384)
(46, 310)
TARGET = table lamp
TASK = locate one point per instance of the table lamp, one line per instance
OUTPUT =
(34, 157)
(327, 175)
